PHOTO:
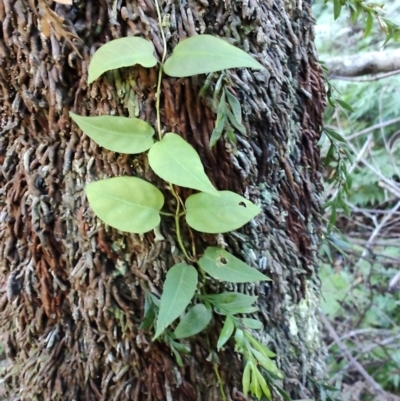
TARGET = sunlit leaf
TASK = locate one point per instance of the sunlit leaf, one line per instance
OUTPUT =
(267, 364)
(126, 203)
(124, 52)
(263, 384)
(222, 265)
(179, 287)
(195, 321)
(119, 134)
(202, 54)
(211, 214)
(175, 161)
(246, 378)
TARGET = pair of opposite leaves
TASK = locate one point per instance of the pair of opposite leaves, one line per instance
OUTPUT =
(131, 204)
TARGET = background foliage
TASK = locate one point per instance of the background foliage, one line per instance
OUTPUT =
(360, 270)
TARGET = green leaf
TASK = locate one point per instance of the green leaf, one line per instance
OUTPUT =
(263, 384)
(149, 312)
(260, 347)
(211, 214)
(127, 203)
(246, 378)
(235, 106)
(230, 134)
(222, 265)
(368, 25)
(217, 131)
(267, 364)
(226, 332)
(345, 105)
(179, 287)
(240, 127)
(337, 8)
(119, 134)
(220, 123)
(123, 52)
(195, 321)
(175, 161)
(333, 135)
(252, 323)
(254, 386)
(202, 54)
(232, 302)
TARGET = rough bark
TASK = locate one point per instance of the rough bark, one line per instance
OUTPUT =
(72, 289)
(364, 64)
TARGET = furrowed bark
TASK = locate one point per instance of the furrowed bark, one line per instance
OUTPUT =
(72, 293)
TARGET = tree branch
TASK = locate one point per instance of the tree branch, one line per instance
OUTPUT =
(364, 64)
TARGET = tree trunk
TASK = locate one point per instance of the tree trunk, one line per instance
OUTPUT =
(72, 288)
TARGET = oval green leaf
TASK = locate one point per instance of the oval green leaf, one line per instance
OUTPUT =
(195, 321)
(223, 266)
(119, 134)
(177, 162)
(202, 54)
(123, 52)
(211, 214)
(179, 287)
(126, 203)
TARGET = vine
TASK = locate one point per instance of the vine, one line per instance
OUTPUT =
(134, 205)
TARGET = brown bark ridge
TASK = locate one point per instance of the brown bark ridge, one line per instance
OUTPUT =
(72, 290)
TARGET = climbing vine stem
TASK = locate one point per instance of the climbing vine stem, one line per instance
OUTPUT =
(160, 70)
(177, 223)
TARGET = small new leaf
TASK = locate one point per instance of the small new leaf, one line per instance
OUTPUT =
(195, 321)
(263, 384)
(202, 54)
(239, 126)
(127, 203)
(246, 378)
(119, 134)
(267, 364)
(231, 303)
(226, 332)
(175, 161)
(251, 323)
(235, 106)
(179, 288)
(221, 121)
(124, 52)
(222, 265)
